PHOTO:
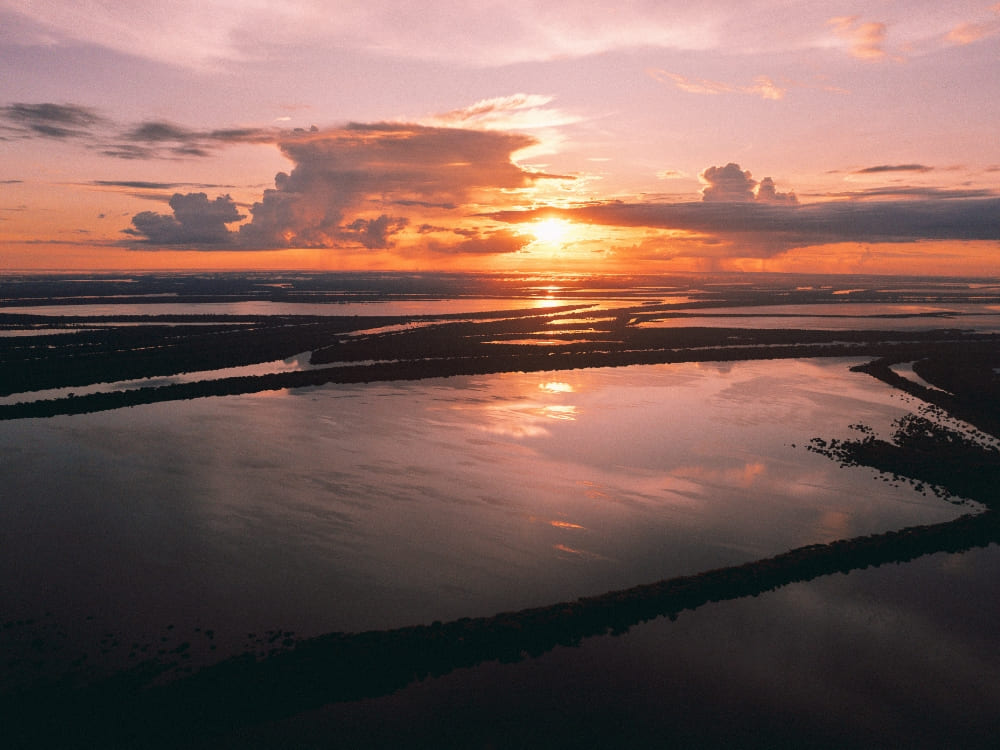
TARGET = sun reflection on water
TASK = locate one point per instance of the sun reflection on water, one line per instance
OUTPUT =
(559, 411)
(565, 525)
(555, 386)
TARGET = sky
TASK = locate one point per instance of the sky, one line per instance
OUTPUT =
(649, 136)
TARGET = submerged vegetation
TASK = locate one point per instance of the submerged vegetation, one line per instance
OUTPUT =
(927, 454)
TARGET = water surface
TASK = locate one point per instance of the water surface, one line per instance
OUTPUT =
(377, 506)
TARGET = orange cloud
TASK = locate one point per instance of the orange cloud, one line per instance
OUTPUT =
(969, 33)
(762, 86)
(369, 186)
(866, 39)
(514, 112)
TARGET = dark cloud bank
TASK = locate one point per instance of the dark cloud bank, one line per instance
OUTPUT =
(146, 140)
(753, 219)
(49, 120)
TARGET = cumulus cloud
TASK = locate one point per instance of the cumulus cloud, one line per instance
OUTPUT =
(731, 184)
(195, 221)
(728, 183)
(767, 193)
(376, 233)
(369, 186)
(341, 171)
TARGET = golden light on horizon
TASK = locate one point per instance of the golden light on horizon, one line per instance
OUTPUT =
(550, 231)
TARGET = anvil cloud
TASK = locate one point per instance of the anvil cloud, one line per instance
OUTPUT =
(359, 185)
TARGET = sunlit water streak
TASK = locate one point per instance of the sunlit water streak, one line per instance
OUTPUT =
(290, 364)
(262, 307)
(838, 317)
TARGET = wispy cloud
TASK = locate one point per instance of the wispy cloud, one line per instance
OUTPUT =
(514, 112)
(138, 184)
(206, 36)
(974, 31)
(146, 185)
(210, 37)
(159, 139)
(907, 191)
(48, 120)
(762, 86)
(145, 140)
(895, 168)
(866, 38)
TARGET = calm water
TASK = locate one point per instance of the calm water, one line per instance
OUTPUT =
(263, 307)
(355, 507)
(889, 657)
(841, 317)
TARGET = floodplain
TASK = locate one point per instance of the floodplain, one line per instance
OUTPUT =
(476, 510)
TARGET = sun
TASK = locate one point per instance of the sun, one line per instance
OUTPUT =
(550, 231)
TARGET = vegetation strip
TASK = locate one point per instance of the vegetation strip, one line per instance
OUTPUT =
(346, 667)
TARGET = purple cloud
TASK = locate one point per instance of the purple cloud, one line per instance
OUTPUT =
(195, 221)
(895, 168)
(730, 184)
(49, 120)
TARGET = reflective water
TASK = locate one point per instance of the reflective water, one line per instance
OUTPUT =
(886, 657)
(290, 364)
(354, 507)
(840, 317)
(263, 307)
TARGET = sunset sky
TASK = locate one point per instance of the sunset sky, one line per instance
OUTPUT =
(647, 136)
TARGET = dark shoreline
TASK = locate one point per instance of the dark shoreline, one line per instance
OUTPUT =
(125, 711)
(450, 367)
